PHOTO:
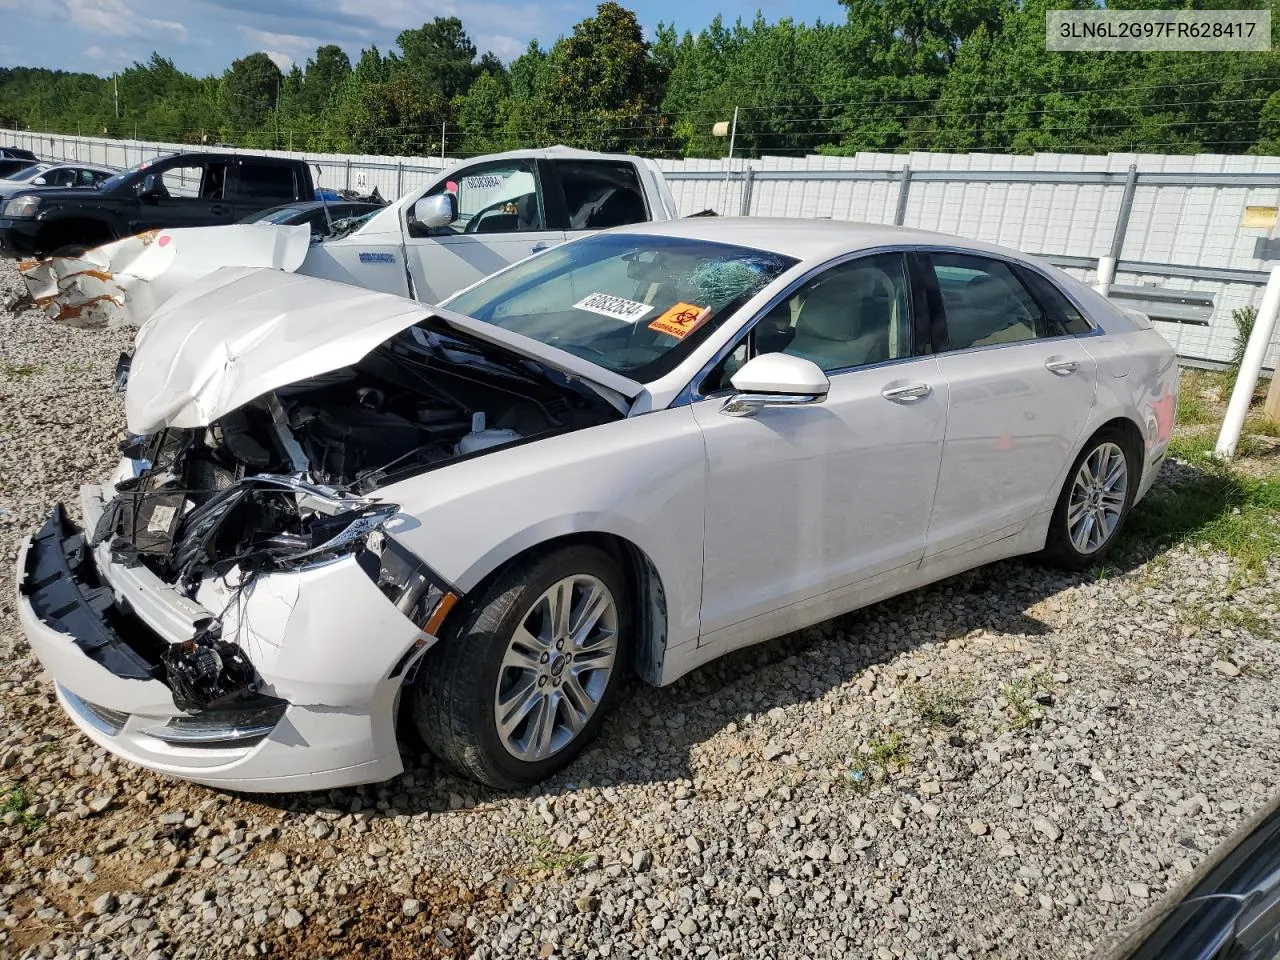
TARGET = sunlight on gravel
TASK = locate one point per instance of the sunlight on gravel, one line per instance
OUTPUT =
(1014, 763)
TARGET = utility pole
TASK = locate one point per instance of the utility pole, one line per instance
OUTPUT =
(443, 124)
(277, 114)
(116, 84)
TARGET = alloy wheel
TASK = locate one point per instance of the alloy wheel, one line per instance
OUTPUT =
(1098, 497)
(556, 668)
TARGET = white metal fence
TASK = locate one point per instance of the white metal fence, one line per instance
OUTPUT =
(1179, 226)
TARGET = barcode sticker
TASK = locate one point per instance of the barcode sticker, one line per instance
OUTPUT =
(619, 308)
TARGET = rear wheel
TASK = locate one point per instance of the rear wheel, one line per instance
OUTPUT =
(522, 682)
(1094, 503)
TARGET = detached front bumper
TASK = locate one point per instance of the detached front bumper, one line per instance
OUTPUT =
(324, 641)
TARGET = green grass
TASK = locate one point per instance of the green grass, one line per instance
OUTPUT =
(1194, 409)
(880, 758)
(938, 707)
(1215, 507)
(17, 801)
(19, 371)
(1022, 695)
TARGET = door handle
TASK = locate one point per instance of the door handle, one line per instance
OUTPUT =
(907, 393)
(219, 209)
(1061, 366)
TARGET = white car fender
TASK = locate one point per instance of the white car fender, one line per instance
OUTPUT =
(641, 479)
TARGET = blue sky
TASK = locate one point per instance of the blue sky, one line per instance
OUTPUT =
(204, 36)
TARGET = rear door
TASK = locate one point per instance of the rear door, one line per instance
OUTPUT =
(257, 186)
(596, 195)
(1021, 389)
(502, 218)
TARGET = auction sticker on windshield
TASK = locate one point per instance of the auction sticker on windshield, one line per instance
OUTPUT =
(681, 320)
(619, 308)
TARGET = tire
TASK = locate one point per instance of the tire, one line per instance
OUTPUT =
(481, 669)
(1084, 543)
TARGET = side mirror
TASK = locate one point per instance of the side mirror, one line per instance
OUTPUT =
(438, 211)
(775, 380)
(39, 181)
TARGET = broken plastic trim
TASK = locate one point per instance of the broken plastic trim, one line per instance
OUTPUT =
(413, 588)
(343, 520)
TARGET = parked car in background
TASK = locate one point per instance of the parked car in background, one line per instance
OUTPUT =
(13, 159)
(321, 216)
(26, 174)
(1229, 908)
(466, 223)
(179, 190)
(635, 452)
(48, 176)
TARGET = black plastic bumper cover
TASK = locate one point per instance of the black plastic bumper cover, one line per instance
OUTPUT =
(63, 588)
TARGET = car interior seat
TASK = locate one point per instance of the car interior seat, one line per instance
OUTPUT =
(845, 320)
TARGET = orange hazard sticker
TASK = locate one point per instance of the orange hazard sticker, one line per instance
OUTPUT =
(681, 320)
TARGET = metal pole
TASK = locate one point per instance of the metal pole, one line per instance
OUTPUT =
(116, 78)
(443, 124)
(1107, 264)
(904, 189)
(1247, 380)
(348, 186)
(399, 179)
(748, 178)
(728, 167)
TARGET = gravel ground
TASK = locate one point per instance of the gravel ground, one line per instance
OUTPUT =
(1013, 763)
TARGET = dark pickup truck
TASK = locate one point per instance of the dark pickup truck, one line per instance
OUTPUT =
(180, 190)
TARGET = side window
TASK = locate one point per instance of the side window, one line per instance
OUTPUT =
(62, 178)
(183, 181)
(984, 303)
(1062, 312)
(266, 181)
(86, 178)
(852, 315)
(493, 198)
(601, 194)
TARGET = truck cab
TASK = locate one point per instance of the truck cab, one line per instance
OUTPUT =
(503, 208)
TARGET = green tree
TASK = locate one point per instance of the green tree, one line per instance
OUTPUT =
(326, 74)
(604, 88)
(248, 93)
(440, 56)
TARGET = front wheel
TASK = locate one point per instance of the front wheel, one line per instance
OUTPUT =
(521, 684)
(1094, 502)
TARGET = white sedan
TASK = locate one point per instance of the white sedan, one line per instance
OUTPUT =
(339, 510)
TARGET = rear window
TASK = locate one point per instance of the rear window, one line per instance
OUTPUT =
(260, 181)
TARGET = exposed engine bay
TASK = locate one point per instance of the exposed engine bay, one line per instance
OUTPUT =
(290, 478)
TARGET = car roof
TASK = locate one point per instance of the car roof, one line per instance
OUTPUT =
(807, 239)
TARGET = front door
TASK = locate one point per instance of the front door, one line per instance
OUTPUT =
(502, 219)
(1021, 392)
(805, 500)
(187, 193)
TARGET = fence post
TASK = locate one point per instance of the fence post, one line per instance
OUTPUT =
(1250, 367)
(1107, 264)
(348, 186)
(399, 179)
(748, 178)
(904, 191)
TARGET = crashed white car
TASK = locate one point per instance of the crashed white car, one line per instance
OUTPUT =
(635, 452)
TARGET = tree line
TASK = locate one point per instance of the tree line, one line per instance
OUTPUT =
(965, 75)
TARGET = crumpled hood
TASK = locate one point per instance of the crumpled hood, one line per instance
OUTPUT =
(241, 332)
(123, 283)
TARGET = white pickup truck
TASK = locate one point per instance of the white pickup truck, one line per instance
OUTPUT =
(470, 220)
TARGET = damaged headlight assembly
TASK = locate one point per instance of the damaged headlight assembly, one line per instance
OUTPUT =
(276, 523)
